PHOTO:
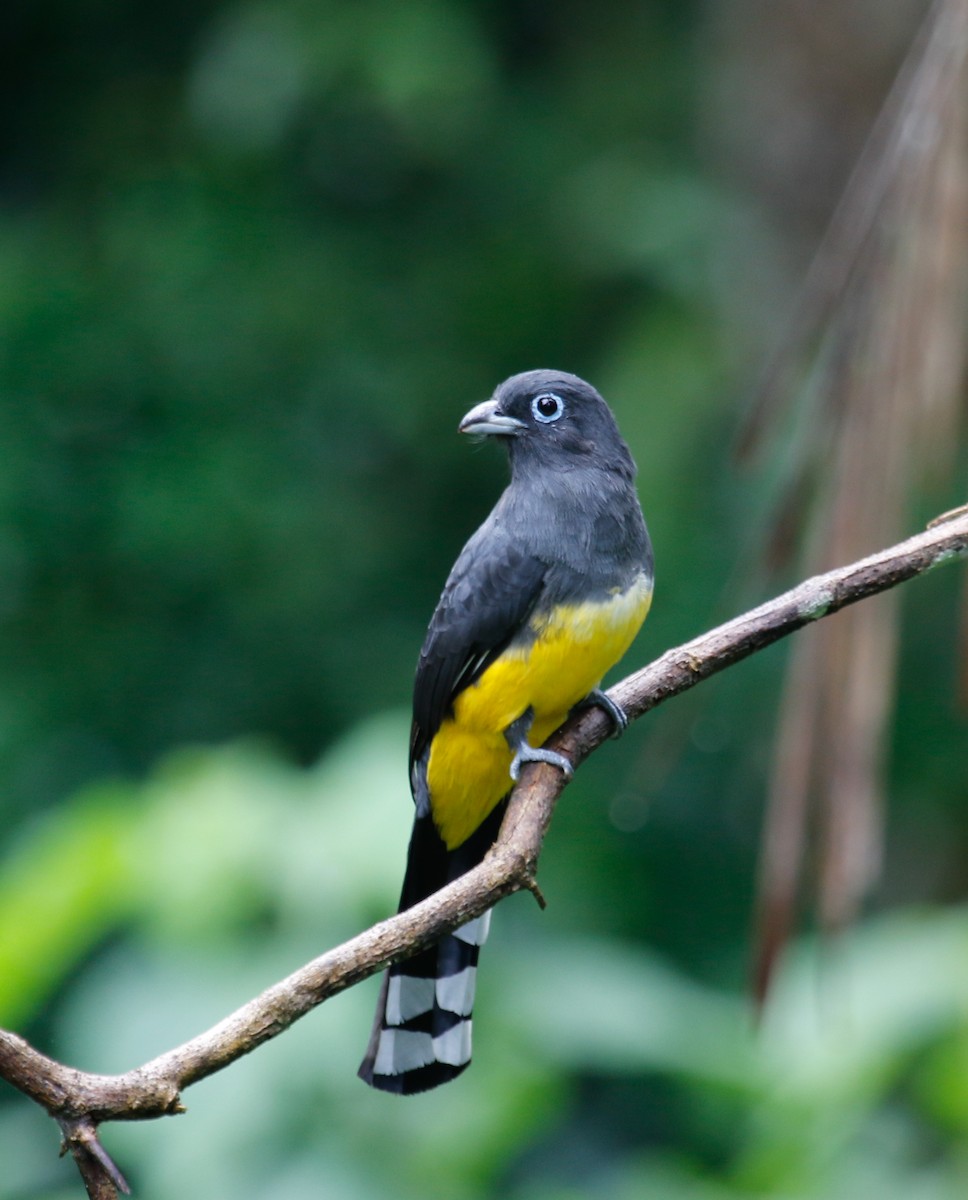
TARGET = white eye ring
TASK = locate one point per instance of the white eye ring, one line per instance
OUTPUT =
(547, 407)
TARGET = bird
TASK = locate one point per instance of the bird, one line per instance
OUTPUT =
(544, 598)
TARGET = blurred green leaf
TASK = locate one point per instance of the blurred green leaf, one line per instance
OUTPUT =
(65, 884)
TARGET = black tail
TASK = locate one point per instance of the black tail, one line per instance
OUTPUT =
(422, 1032)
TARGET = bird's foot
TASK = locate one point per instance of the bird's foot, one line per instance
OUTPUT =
(516, 736)
(618, 715)
(526, 753)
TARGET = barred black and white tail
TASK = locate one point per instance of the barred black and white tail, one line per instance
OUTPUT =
(422, 1031)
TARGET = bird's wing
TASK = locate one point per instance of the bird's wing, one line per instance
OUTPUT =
(487, 599)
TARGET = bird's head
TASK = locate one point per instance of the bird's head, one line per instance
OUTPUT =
(551, 419)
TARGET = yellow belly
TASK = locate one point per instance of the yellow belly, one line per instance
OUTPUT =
(470, 760)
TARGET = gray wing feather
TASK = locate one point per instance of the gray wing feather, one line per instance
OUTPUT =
(487, 599)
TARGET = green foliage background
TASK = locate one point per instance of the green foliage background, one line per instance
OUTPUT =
(256, 260)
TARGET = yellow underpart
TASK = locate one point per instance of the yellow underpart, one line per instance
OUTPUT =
(470, 760)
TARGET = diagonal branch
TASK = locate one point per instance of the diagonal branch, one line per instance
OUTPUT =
(80, 1101)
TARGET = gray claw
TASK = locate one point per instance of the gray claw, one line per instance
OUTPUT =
(618, 715)
(527, 753)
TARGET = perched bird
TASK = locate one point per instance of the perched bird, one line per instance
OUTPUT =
(545, 597)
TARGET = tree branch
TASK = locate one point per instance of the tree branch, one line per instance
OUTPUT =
(79, 1101)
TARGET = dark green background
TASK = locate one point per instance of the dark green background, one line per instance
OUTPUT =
(256, 260)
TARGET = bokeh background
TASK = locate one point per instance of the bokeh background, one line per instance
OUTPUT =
(256, 260)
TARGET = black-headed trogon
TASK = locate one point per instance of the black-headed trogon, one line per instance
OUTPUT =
(544, 598)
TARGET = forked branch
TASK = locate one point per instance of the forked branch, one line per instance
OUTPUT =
(80, 1101)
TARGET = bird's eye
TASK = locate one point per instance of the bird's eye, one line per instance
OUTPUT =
(547, 407)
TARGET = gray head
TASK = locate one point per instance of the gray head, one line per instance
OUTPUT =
(551, 419)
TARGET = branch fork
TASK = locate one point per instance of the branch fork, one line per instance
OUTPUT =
(80, 1101)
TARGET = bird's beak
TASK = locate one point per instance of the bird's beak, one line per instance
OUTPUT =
(486, 419)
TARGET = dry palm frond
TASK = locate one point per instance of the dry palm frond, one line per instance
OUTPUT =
(883, 307)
